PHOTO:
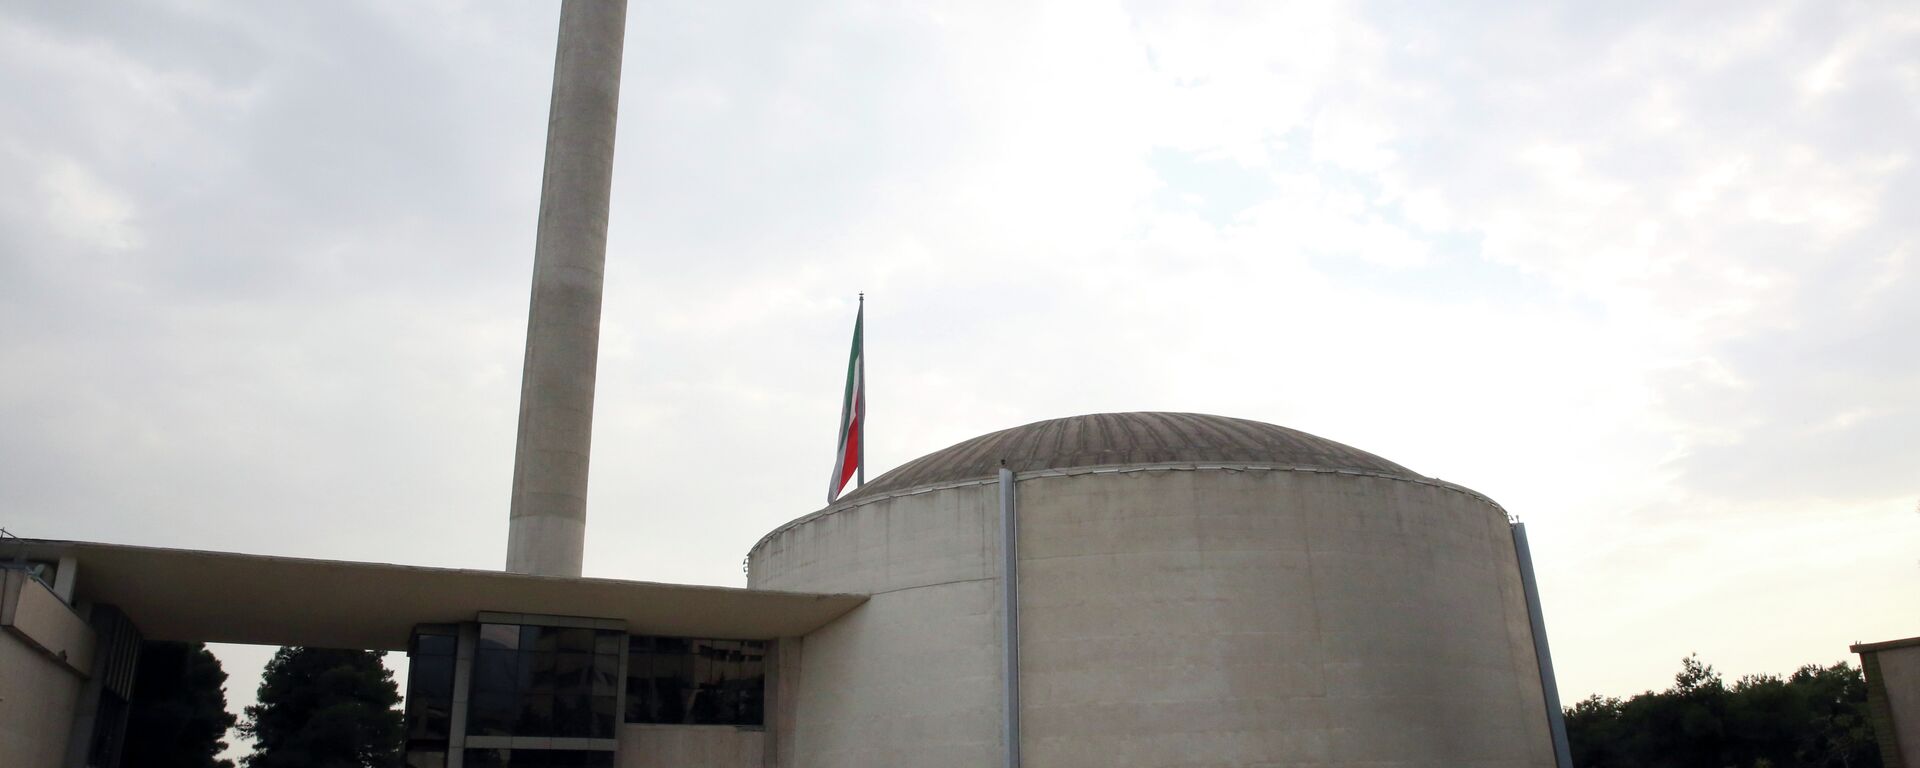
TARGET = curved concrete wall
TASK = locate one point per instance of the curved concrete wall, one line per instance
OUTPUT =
(1170, 616)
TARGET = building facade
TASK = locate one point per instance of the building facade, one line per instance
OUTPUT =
(1892, 671)
(1139, 589)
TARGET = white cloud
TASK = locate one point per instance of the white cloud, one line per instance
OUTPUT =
(81, 206)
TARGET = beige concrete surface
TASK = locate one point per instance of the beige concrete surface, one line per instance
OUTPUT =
(782, 701)
(912, 678)
(264, 600)
(37, 697)
(32, 612)
(1171, 617)
(690, 746)
(1900, 679)
(549, 510)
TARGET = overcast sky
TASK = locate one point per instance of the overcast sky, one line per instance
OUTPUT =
(1646, 273)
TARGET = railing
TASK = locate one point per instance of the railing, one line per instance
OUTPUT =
(19, 547)
(13, 557)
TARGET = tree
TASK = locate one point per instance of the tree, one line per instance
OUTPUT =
(178, 716)
(324, 708)
(1814, 717)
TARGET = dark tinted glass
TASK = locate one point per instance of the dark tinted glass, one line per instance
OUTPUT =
(485, 758)
(427, 759)
(673, 685)
(500, 636)
(752, 686)
(684, 680)
(430, 677)
(570, 674)
(535, 688)
(495, 671)
(640, 704)
(429, 718)
(536, 672)
(704, 709)
(492, 714)
(577, 639)
(603, 717)
(606, 675)
(572, 717)
(433, 645)
(539, 758)
(536, 715)
(534, 638)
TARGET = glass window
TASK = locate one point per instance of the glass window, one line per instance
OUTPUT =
(551, 683)
(495, 671)
(673, 681)
(429, 719)
(603, 722)
(429, 702)
(500, 636)
(539, 638)
(430, 677)
(578, 639)
(486, 758)
(425, 644)
(687, 680)
(536, 672)
(573, 716)
(641, 705)
(751, 687)
(427, 759)
(606, 675)
(492, 714)
(572, 674)
(538, 758)
(536, 715)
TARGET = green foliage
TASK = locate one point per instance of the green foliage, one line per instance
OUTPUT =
(323, 708)
(1814, 717)
(178, 715)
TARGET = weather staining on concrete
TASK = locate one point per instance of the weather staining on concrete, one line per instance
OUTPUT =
(549, 512)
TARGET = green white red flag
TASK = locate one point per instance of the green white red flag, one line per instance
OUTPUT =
(849, 459)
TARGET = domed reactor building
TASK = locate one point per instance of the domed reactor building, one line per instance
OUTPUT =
(1188, 590)
(1161, 590)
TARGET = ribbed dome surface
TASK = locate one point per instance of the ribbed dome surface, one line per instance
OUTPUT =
(1126, 438)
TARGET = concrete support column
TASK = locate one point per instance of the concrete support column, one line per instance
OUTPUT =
(549, 511)
(1536, 620)
(64, 577)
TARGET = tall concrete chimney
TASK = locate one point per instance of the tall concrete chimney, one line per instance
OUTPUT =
(549, 513)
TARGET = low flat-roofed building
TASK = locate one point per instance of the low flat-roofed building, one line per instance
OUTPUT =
(74, 614)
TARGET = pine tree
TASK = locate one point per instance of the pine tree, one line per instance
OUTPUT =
(323, 708)
(178, 715)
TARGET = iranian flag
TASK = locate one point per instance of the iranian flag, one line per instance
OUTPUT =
(848, 461)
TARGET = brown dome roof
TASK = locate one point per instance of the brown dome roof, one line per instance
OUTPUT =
(1105, 439)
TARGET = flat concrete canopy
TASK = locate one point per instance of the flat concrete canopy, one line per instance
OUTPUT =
(222, 597)
(1884, 645)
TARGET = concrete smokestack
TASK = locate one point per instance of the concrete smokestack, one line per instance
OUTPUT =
(549, 513)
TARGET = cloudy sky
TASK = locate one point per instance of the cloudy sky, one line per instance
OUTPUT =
(1647, 273)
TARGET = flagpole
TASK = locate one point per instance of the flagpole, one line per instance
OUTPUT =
(861, 407)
